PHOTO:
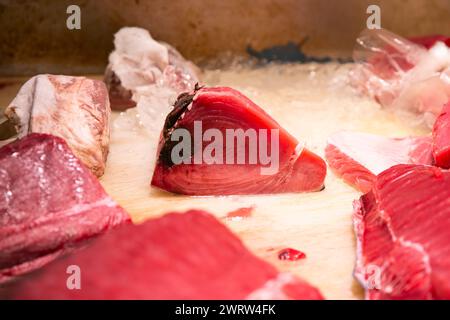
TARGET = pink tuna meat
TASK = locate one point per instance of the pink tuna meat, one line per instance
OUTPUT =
(403, 238)
(50, 203)
(178, 256)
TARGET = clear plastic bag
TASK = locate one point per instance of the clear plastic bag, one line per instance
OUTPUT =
(401, 74)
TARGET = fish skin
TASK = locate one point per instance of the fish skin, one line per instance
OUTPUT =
(74, 108)
(402, 230)
(178, 256)
(140, 65)
(299, 171)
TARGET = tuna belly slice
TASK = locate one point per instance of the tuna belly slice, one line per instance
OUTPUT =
(73, 108)
(441, 138)
(289, 166)
(179, 256)
(49, 204)
(359, 157)
(403, 234)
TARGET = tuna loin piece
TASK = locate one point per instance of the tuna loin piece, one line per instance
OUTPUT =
(73, 108)
(178, 256)
(359, 157)
(403, 234)
(49, 204)
(221, 109)
(141, 65)
(441, 138)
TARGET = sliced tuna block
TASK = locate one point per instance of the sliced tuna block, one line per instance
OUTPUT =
(403, 234)
(178, 256)
(401, 74)
(216, 141)
(358, 157)
(141, 65)
(441, 138)
(50, 203)
(73, 108)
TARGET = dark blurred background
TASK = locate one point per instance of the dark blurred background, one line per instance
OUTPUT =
(34, 37)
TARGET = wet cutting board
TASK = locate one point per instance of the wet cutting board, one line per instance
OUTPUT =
(311, 102)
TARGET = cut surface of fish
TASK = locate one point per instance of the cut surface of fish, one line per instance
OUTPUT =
(50, 203)
(359, 157)
(441, 138)
(73, 108)
(234, 147)
(402, 229)
(179, 256)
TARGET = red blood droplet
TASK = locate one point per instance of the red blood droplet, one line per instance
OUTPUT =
(291, 254)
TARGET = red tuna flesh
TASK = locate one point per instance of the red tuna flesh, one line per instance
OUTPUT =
(403, 238)
(441, 138)
(222, 109)
(178, 256)
(429, 41)
(359, 157)
(49, 203)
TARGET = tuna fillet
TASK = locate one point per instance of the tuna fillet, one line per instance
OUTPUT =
(178, 256)
(441, 138)
(359, 157)
(50, 203)
(403, 234)
(243, 151)
(73, 108)
(139, 65)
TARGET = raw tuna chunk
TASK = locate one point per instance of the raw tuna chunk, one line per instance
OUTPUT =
(267, 160)
(430, 41)
(441, 138)
(49, 204)
(403, 234)
(359, 157)
(73, 108)
(178, 256)
(401, 74)
(139, 65)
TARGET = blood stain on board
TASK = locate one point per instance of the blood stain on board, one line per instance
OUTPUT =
(291, 254)
(240, 213)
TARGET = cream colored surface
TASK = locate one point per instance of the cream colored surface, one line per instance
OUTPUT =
(311, 102)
